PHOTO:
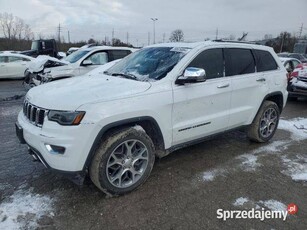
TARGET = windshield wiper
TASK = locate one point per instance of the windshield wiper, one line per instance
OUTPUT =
(125, 75)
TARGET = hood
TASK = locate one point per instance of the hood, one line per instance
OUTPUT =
(44, 61)
(71, 93)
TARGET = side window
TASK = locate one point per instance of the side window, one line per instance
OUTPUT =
(26, 59)
(2, 59)
(14, 59)
(118, 54)
(211, 61)
(98, 58)
(265, 61)
(239, 61)
(295, 63)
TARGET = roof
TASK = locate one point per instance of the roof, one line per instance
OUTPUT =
(15, 55)
(106, 48)
(193, 45)
(284, 59)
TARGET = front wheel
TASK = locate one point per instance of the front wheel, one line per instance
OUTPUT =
(265, 123)
(123, 161)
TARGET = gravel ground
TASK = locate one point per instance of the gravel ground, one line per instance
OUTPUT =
(184, 191)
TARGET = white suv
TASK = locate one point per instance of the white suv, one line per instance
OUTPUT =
(112, 125)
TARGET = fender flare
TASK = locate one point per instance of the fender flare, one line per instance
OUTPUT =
(115, 124)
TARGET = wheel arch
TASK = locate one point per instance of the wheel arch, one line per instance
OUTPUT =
(149, 124)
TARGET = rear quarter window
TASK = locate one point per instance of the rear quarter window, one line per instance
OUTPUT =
(265, 61)
(118, 54)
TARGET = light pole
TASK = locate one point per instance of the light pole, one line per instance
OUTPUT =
(154, 29)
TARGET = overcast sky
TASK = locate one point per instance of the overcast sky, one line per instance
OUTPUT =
(199, 19)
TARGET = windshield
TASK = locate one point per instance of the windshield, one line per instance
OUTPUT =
(34, 45)
(148, 64)
(75, 56)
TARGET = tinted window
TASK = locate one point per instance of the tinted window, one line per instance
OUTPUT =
(211, 61)
(239, 61)
(265, 61)
(118, 54)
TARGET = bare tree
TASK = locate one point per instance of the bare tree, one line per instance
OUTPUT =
(243, 36)
(6, 21)
(177, 36)
(14, 27)
(28, 34)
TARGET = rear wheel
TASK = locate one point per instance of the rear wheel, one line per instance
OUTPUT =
(265, 123)
(123, 161)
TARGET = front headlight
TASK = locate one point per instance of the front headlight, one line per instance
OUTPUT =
(66, 118)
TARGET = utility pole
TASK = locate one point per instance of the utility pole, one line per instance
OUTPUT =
(163, 37)
(148, 38)
(282, 42)
(59, 33)
(301, 31)
(68, 36)
(216, 33)
(154, 29)
(127, 38)
(112, 36)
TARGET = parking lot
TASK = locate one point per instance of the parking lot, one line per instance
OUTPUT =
(184, 191)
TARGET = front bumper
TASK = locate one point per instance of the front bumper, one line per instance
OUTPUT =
(77, 141)
(297, 88)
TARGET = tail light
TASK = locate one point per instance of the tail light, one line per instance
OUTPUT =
(294, 74)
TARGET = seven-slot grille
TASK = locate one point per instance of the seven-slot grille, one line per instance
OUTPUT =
(35, 114)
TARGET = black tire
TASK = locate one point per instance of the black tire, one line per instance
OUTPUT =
(255, 133)
(98, 168)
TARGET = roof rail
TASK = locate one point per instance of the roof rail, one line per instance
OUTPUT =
(230, 41)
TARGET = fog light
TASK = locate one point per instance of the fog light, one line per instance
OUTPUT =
(53, 149)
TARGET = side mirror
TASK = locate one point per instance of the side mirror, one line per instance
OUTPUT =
(87, 62)
(192, 75)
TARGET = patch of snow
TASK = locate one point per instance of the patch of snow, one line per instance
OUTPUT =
(274, 205)
(249, 162)
(240, 201)
(296, 168)
(210, 175)
(23, 210)
(297, 127)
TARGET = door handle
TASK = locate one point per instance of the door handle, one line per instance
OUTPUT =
(260, 79)
(223, 86)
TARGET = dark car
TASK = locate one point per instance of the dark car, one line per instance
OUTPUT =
(298, 56)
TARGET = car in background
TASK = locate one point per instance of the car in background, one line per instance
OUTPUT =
(290, 64)
(297, 86)
(71, 50)
(13, 65)
(78, 63)
(298, 56)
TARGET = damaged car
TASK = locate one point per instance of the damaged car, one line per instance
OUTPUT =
(45, 69)
(297, 86)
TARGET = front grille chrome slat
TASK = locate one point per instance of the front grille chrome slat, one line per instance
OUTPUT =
(34, 114)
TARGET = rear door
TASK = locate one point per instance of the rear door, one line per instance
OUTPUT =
(16, 66)
(248, 86)
(3, 68)
(202, 109)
